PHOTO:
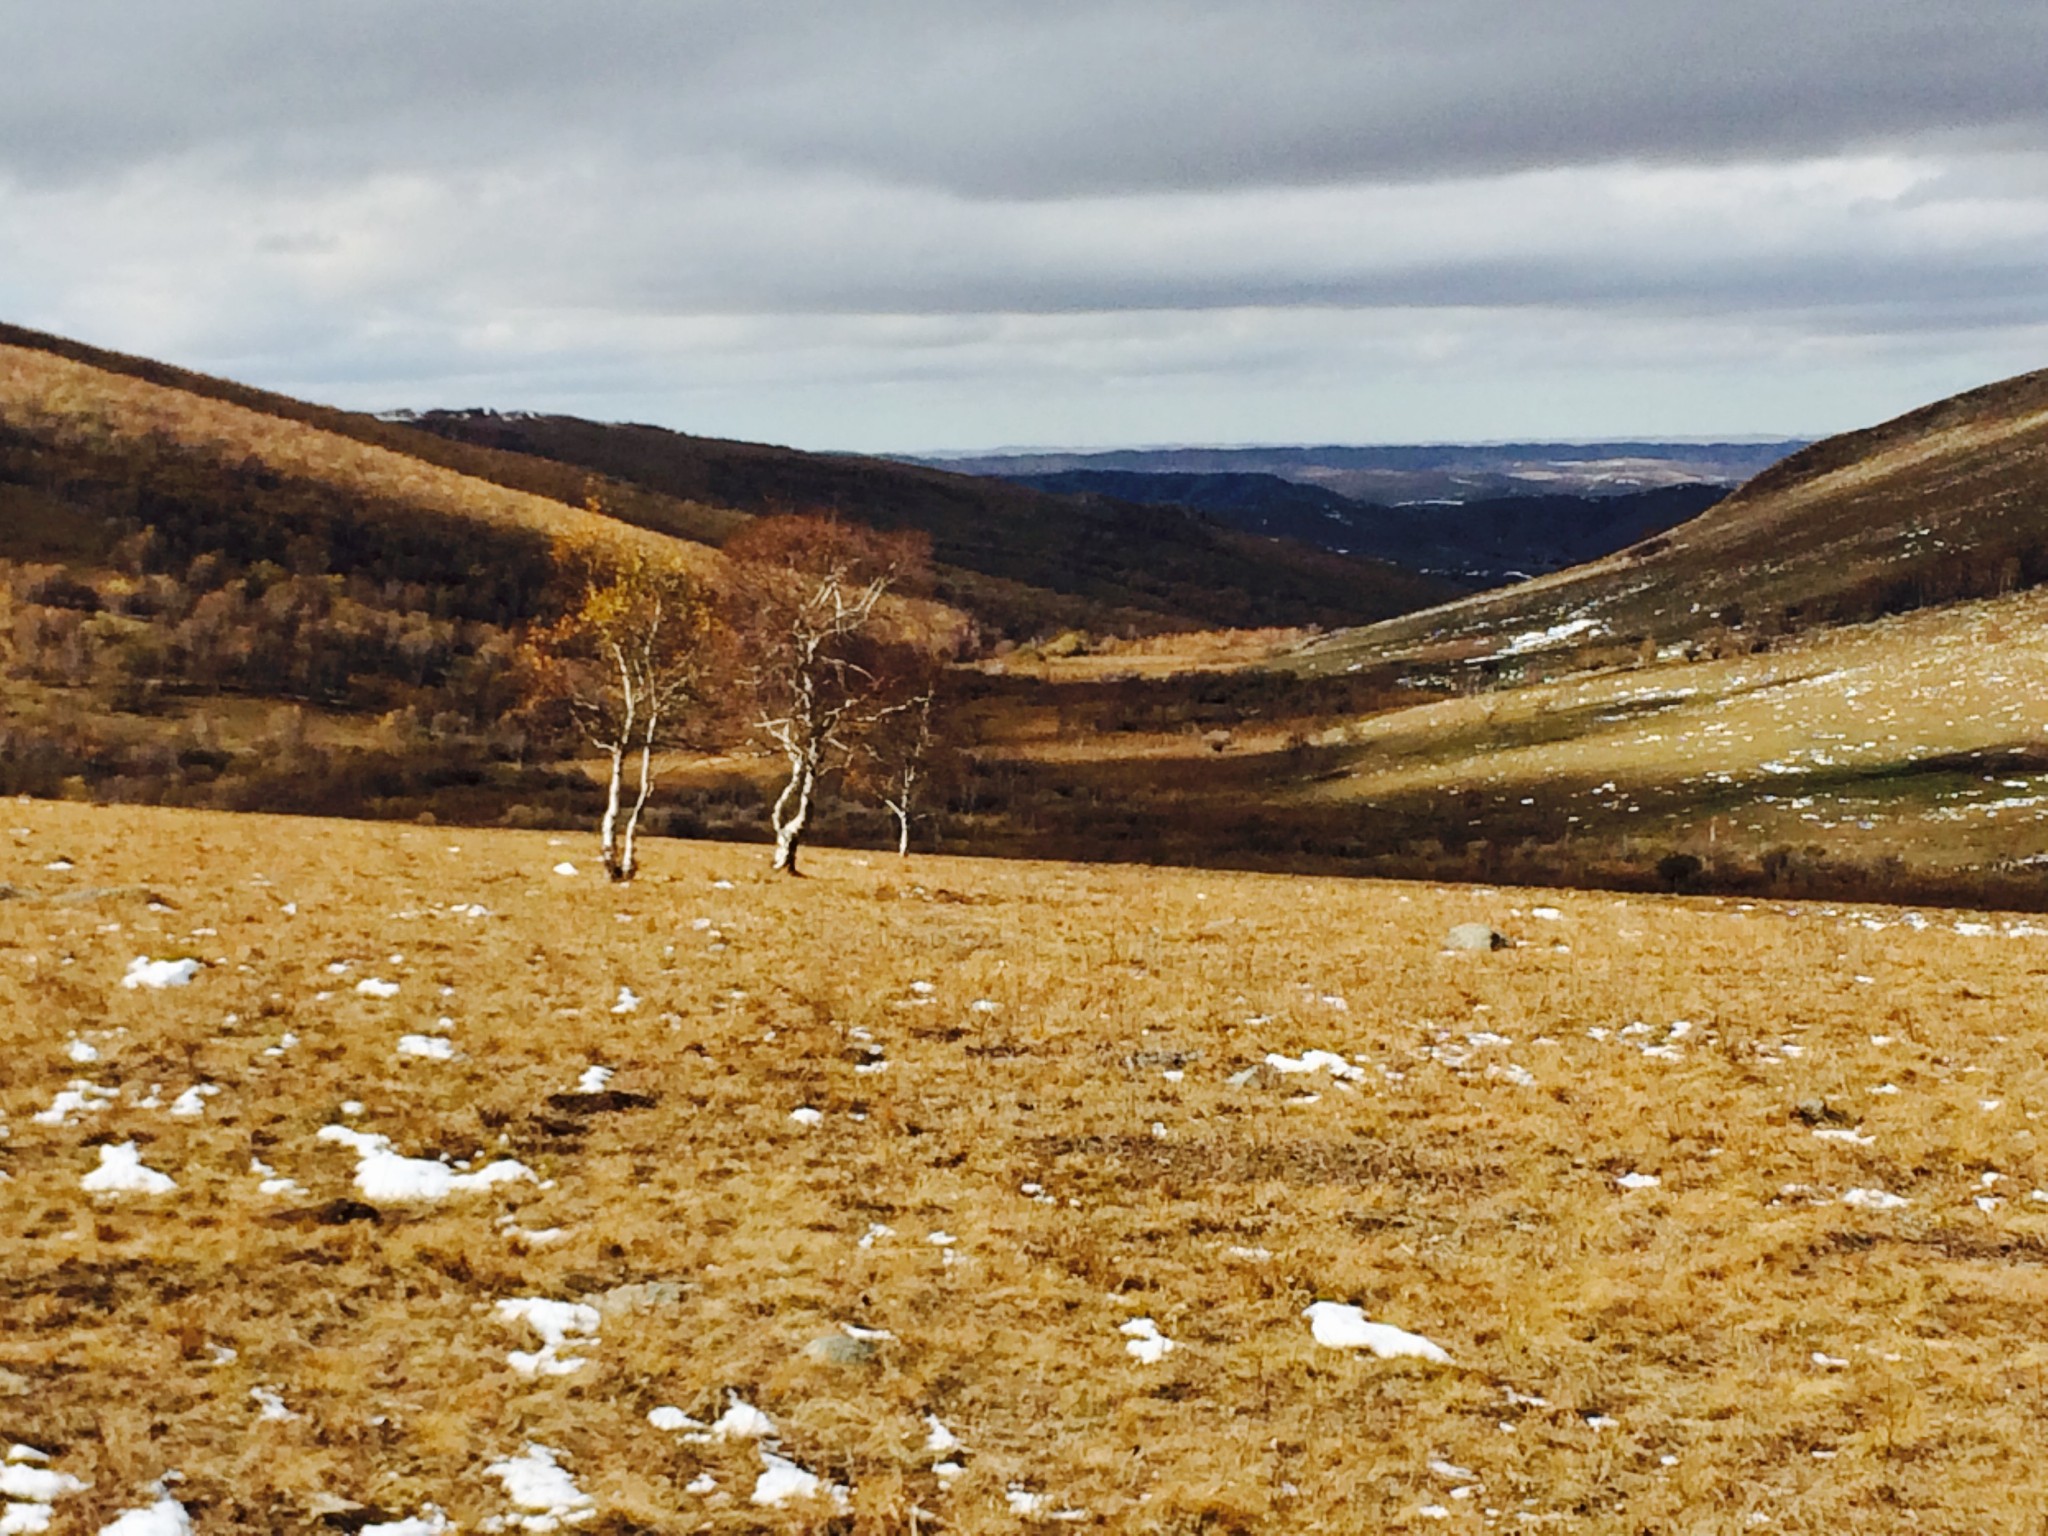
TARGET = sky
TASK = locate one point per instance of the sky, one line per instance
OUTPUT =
(930, 225)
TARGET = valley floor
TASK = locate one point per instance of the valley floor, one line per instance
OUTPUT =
(974, 1196)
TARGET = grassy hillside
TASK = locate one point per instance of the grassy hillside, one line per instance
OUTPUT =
(1947, 503)
(1106, 572)
(563, 483)
(1154, 561)
(1721, 1214)
(204, 601)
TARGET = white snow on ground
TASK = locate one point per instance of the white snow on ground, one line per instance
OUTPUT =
(557, 1322)
(1635, 1181)
(1873, 1200)
(158, 974)
(742, 1421)
(84, 1052)
(1315, 1061)
(375, 986)
(121, 1173)
(1345, 1327)
(565, 868)
(939, 1439)
(1027, 1505)
(806, 1115)
(627, 1002)
(32, 1491)
(269, 1183)
(428, 1522)
(670, 1417)
(1557, 634)
(382, 1174)
(782, 1480)
(593, 1079)
(1144, 1342)
(271, 1406)
(81, 1098)
(166, 1517)
(535, 1483)
(192, 1102)
(427, 1047)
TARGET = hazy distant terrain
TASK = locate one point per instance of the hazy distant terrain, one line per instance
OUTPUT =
(1481, 514)
(1396, 474)
(1486, 542)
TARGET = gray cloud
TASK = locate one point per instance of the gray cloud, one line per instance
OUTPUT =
(1016, 98)
(891, 223)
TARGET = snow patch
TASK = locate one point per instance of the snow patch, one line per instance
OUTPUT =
(1338, 1326)
(121, 1172)
(382, 1174)
(557, 1322)
(157, 975)
(535, 1483)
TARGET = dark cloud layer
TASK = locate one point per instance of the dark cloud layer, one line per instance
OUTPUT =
(1031, 98)
(718, 211)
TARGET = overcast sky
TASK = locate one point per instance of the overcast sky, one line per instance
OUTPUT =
(908, 225)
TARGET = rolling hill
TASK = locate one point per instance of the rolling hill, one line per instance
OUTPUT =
(1024, 564)
(1943, 504)
(1159, 567)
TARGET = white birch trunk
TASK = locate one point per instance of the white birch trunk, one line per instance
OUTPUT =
(793, 812)
(608, 829)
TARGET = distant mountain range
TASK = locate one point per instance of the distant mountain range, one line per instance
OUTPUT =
(1481, 514)
(1487, 542)
(1428, 472)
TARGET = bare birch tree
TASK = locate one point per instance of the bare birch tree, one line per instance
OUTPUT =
(903, 770)
(904, 759)
(625, 661)
(807, 606)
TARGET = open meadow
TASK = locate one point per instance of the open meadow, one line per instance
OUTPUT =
(359, 1176)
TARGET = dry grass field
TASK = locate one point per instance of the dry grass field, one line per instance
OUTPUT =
(1725, 1215)
(1859, 739)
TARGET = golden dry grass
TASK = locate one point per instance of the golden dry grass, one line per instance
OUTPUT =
(1732, 1349)
(1815, 740)
(43, 392)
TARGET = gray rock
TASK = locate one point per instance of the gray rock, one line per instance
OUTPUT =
(839, 1349)
(1476, 936)
(640, 1296)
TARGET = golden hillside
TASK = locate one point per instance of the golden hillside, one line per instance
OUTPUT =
(94, 414)
(1946, 503)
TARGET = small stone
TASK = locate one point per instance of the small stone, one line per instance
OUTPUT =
(1473, 936)
(838, 1349)
(639, 1296)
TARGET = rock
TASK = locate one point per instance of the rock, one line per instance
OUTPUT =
(1476, 936)
(14, 1384)
(639, 1296)
(838, 1349)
